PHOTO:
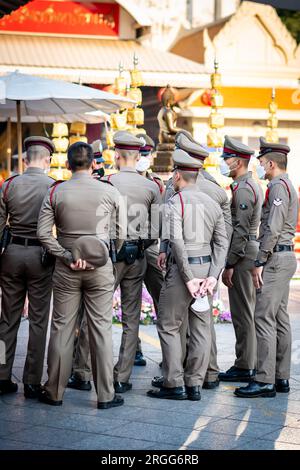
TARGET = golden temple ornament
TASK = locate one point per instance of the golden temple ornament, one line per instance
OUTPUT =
(216, 117)
(272, 122)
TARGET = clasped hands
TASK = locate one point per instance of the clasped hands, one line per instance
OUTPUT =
(201, 287)
(81, 265)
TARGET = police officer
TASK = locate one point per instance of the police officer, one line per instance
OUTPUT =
(274, 267)
(142, 198)
(22, 271)
(208, 185)
(153, 277)
(245, 209)
(82, 369)
(80, 209)
(198, 250)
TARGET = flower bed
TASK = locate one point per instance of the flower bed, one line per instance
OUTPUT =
(148, 314)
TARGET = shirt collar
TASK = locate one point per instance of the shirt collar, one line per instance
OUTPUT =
(34, 170)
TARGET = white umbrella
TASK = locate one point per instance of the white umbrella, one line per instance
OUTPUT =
(27, 95)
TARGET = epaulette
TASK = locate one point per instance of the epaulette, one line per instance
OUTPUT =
(53, 187)
(8, 181)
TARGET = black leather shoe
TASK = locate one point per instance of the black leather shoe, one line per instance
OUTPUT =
(256, 389)
(176, 393)
(157, 381)
(78, 384)
(193, 393)
(234, 374)
(122, 387)
(7, 386)
(282, 386)
(32, 391)
(44, 398)
(139, 359)
(116, 401)
(211, 385)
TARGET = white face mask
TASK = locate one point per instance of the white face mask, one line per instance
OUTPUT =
(224, 168)
(261, 172)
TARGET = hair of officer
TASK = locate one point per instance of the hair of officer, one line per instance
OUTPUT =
(279, 158)
(244, 162)
(36, 152)
(80, 156)
(130, 154)
(188, 176)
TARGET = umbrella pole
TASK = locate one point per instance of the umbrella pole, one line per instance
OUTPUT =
(8, 147)
(19, 133)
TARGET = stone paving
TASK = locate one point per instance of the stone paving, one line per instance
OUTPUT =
(219, 421)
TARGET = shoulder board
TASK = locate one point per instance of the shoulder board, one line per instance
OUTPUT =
(284, 183)
(8, 181)
(53, 187)
(253, 190)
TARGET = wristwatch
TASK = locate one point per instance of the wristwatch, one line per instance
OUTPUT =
(259, 264)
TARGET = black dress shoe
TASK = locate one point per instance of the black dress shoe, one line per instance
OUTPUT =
(282, 386)
(211, 385)
(193, 393)
(176, 393)
(157, 381)
(78, 384)
(116, 401)
(122, 387)
(256, 389)
(32, 391)
(44, 398)
(234, 374)
(7, 386)
(139, 359)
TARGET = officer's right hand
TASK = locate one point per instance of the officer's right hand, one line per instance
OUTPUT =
(80, 265)
(194, 287)
(162, 261)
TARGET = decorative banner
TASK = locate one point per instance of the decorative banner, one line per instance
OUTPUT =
(54, 17)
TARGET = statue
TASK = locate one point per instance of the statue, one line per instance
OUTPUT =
(167, 118)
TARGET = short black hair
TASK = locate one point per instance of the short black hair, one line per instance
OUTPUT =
(80, 156)
(279, 158)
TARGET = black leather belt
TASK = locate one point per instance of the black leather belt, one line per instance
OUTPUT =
(197, 259)
(25, 241)
(279, 248)
(252, 238)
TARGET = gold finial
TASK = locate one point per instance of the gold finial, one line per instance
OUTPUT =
(272, 122)
(135, 60)
(216, 64)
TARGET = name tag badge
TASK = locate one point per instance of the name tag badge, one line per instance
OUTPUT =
(201, 304)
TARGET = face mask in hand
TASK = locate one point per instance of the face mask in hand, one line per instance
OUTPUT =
(261, 172)
(100, 172)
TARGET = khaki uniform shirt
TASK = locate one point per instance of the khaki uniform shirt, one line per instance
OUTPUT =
(142, 200)
(196, 229)
(246, 210)
(22, 201)
(80, 206)
(279, 216)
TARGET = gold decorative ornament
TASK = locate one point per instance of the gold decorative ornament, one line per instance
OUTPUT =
(272, 122)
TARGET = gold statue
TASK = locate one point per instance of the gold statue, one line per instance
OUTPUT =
(167, 118)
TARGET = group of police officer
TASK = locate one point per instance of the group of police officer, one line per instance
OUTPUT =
(84, 237)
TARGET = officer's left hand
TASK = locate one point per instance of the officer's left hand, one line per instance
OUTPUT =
(227, 277)
(194, 287)
(208, 286)
(257, 277)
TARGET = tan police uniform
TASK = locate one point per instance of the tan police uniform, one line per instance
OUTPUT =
(208, 186)
(245, 209)
(196, 253)
(277, 231)
(78, 207)
(141, 197)
(21, 269)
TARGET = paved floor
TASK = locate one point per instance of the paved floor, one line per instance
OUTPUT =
(219, 421)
